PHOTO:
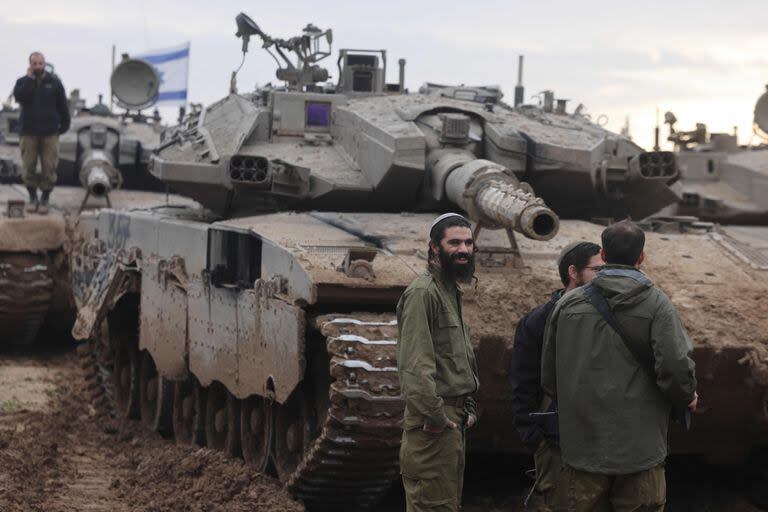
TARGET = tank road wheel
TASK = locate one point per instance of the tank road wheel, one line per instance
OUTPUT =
(293, 433)
(125, 379)
(155, 396)
(222, 420)
(256, 421)
(189, 412)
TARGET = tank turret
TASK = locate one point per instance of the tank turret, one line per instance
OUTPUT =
(367, 145)
(10, 160)
(720, 180)
(99, 142)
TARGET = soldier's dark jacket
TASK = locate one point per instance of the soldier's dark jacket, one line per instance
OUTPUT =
(525, 377)
(435, 357)
(613, 417)
(44, 107)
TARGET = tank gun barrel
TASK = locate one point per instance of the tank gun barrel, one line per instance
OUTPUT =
(98, 174)
(97, 181)
(491, 195)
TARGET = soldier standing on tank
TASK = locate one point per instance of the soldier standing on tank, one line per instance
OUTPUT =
(577, 265)
(44, 116)
(437, 369)
(613, 406)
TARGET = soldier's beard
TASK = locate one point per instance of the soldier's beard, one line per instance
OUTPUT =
(461, 272)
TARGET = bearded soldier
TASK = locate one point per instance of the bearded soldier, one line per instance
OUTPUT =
(44, 116)
(438, 372)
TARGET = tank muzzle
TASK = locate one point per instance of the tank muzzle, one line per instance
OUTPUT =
(98, 182)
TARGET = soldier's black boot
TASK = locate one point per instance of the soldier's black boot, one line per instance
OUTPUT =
(43, 208)
(32, 206)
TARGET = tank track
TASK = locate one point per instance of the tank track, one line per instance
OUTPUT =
(96, 362)
(354, 460)
(26, 292)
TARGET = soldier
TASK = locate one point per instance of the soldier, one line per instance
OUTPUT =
(437, 369)
(617, 364)
(577, 265)
(44, 116)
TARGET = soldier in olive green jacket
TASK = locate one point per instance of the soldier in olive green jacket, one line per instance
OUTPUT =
(613, 417)
(438, 372)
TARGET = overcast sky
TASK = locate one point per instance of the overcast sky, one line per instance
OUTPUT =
(706, 61)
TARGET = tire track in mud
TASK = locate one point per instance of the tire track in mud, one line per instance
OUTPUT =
(53, 459)
(90, 487)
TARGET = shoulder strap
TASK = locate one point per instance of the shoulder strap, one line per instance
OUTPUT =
(682, 416)
(601, 305)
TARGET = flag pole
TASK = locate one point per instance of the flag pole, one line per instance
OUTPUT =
(189, 55)
(110, 78)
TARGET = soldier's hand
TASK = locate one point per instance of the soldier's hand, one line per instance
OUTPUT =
(30, 72)
(434, 430)
(471, 420)
(694, 403)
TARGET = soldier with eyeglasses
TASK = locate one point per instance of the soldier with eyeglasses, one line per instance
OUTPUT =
(577, 265)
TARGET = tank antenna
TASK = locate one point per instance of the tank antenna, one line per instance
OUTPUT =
(656, 131)
(519, 89)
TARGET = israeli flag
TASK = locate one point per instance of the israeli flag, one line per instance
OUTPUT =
(172, 66)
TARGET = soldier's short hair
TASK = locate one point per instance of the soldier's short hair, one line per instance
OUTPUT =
(623, 242)
(35, 53)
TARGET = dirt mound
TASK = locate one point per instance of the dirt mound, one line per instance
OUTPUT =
(170, 478)
(60, 459)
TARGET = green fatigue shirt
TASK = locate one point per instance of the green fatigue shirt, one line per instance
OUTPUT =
(613, 417)
(434, 355)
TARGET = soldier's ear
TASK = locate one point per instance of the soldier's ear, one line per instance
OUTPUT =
(573, 273)
(434, 250)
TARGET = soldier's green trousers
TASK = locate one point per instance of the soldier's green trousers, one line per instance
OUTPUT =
(551, 477)
(432, 466)
(645, 491)
(44, 148)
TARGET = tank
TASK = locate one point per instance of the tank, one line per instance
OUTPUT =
(265, 324)
(105, 150)
(10, 158)
(100, 152)
(720, 180)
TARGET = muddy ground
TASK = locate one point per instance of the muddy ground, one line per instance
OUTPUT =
(55, 456)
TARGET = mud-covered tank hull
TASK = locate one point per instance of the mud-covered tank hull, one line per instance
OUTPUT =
(35, 282)
(286, 353)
